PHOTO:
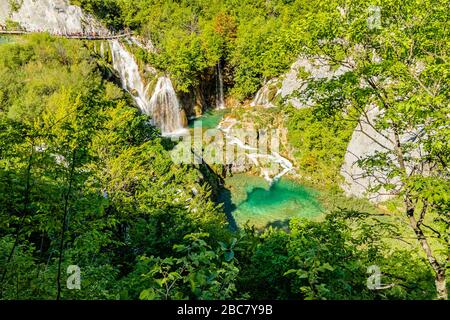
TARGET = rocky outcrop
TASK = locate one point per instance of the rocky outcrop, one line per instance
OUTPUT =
(368, 140)
(365, 142)
(295, 81)
(303, 71)
(54, 16)
(251, 156)
(207, 93)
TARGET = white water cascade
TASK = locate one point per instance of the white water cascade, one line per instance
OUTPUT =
(266, 94)
(253, 155)
(126, 66)
(163, 106)
(60, 17)
(220, 98)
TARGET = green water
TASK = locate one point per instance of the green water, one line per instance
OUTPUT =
(248, 198)
(209, 120)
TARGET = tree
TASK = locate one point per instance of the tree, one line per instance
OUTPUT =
(398, 82)
(84, 178)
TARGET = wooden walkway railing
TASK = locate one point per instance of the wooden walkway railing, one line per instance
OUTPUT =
(80, 36)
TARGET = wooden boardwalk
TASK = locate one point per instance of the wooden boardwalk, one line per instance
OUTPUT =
(79, 36)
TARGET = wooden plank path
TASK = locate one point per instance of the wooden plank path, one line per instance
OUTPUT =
(79, 36)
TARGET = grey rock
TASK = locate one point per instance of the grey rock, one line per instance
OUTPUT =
(295, 81)
(366, 141)
(53, 16)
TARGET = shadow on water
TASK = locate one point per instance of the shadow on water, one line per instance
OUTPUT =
(228, 207)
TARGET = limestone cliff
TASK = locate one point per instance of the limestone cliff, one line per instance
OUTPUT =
(54, 16)
(365, 141)
(295, 81)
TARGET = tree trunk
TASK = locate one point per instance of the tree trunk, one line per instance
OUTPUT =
(439, 270)
(441, 285)
(64, 223)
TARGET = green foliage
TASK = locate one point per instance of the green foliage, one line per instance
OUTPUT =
(319, 145)
(15, 5)
(329, 260)
(199, 273)
(109, 11)
(84, 179)
(255, 40)
(396, 68)
(12, 25)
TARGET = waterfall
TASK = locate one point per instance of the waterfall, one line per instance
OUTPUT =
(220, 99)
(266, 94)
(126, 66)
(272, 157)
(165, 109)
(102, 50)
(59, 17)
(163, 106)
(261, 98)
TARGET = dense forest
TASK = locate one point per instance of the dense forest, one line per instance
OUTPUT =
(87, 180)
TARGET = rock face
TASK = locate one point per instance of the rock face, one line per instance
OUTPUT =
(302, 71)
(366, 141)
(296, 80)
(54, 16)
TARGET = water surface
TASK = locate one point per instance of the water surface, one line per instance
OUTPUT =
(209, 120)
(252, 199)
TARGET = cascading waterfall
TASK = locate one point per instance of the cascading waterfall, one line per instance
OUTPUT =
(273, 157)
(265, 95)
(165, 109)
(163, 106)
(126, 66)
(220, 98)
(102, 50)
(261, 98)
